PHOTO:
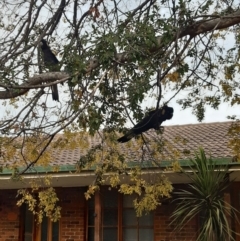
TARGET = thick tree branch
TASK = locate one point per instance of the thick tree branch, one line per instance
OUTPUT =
(193, 29)
(33, 83)
(207, 25)
(57, 16)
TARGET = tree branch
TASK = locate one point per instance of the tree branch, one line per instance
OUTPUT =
(207, 25)
(33, 83)
(193, 29)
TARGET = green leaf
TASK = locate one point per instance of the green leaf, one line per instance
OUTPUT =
(204, 197)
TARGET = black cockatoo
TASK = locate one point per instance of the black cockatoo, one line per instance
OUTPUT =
(153, 120)
(51, 62)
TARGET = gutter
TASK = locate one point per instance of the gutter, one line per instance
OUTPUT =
(69, 168)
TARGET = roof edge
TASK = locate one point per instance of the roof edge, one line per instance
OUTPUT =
(144, 165)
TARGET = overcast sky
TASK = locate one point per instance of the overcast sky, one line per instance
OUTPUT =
(186, 117)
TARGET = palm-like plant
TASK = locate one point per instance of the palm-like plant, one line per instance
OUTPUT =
(204, 197)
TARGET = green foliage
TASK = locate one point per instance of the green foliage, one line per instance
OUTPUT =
(204, 199)
(129, 43)
(112, 166)
(234, 139)
(111, 51)
(41, 203)
(148, 194)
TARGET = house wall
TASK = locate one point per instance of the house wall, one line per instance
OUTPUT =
(235, 201)
(9, 216)
(72, 224)
(74, 217)
(165, 232)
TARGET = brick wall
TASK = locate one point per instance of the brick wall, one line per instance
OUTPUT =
(73, 214)
(165, 232)
(72, 223)
(235, 201)
(9, 216)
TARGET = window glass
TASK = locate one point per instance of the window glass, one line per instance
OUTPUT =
(110, 217)
(118, 216)
(91, 234)
(110, 234)
(91, 217)
(91, 203)
(55, 231)
(44, 229)
(110, 199)
(28, 225)
(91, 211)
(146, 220)
(129, 217)
(146, 234)
(128, 201)
(129, 234)
(136, 228)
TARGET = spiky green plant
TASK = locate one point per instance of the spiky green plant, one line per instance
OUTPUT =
(204, 198)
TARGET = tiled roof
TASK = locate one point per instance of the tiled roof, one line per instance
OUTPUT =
(211, 136)
(182, 139)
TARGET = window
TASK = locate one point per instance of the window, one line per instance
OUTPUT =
(49, 230)
(28, 225)
(31, 231)
(136, 229)
(111, 217)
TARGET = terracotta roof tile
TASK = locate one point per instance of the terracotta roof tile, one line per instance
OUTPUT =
(183, 138)
(211, 136)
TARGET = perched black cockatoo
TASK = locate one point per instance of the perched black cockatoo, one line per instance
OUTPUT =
(51, 62)
(153, 120)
